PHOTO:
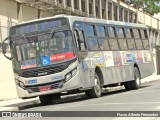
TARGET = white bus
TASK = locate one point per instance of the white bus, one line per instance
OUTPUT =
(66, 54)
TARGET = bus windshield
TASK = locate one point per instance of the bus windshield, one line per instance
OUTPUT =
(42, 49)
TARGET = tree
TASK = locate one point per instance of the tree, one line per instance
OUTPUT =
(150, 6)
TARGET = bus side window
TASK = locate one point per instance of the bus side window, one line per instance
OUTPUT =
(83, 43)
(102, 37)
(91, 37)
(130, 38)
(138, 41)
(80, 33)
(78, 25)
(121, 38)
(112, 39)
(144, 38)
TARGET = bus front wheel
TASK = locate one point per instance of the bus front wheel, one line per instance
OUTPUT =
(45, 99)
(49, 99)
(96, 91)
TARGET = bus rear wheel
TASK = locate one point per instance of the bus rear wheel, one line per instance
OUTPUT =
(96, 91)
(136, 83)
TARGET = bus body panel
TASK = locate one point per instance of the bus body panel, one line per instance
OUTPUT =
(146, 69)
(111, 74)
(116, 66)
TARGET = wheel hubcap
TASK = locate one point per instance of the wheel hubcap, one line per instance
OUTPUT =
(137, 78)
(97, 85)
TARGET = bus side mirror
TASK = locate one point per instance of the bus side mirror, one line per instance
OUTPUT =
(4, 48)
(4, 45)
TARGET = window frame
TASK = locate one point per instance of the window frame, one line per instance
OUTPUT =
(107, 37)
(120, 38)
(113, 26)
(95, 35)
(142, 48)
(83, 31)
(101, 37)
(145, 38)
(132, 37)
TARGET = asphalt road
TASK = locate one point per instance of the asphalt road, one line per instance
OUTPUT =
(147, 98)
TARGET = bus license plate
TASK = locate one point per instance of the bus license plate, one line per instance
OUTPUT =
(44, 88)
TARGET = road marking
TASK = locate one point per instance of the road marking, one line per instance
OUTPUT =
(101, 104)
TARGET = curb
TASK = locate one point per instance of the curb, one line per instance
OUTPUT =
(9, 109)
(148, 81)
(8, 103)
(17, 106)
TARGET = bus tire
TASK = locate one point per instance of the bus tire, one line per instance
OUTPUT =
(96, 91)
(56, 98)
(127, 85)
(136, 83)
(46, 99)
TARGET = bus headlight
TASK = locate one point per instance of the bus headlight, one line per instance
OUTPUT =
(74, 72)
(20, 84)
(68, 76)
(71, 74)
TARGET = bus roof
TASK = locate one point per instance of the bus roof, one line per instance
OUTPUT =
(86, 19)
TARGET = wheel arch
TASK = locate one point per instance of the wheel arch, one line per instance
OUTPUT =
(100, 74)
(136, 65)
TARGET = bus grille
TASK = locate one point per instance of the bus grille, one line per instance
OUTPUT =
(32, 89)
(44, 71)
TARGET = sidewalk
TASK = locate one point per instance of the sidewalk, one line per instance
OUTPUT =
(151, 78)
(3, 104)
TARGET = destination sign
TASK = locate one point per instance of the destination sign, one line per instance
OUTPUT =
(37, 26)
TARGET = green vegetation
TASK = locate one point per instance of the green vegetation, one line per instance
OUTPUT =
(149, 6)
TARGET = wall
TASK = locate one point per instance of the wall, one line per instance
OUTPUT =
(7, 84)
(11, 14)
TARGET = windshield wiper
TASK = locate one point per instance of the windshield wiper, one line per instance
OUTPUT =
(51, 35)
(23, 36)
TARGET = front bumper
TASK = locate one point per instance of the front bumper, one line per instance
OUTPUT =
(55, 81)
(73, 83)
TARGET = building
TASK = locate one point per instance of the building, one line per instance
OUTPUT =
(16, 11)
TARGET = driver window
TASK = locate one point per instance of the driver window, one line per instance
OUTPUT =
(82, 44)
